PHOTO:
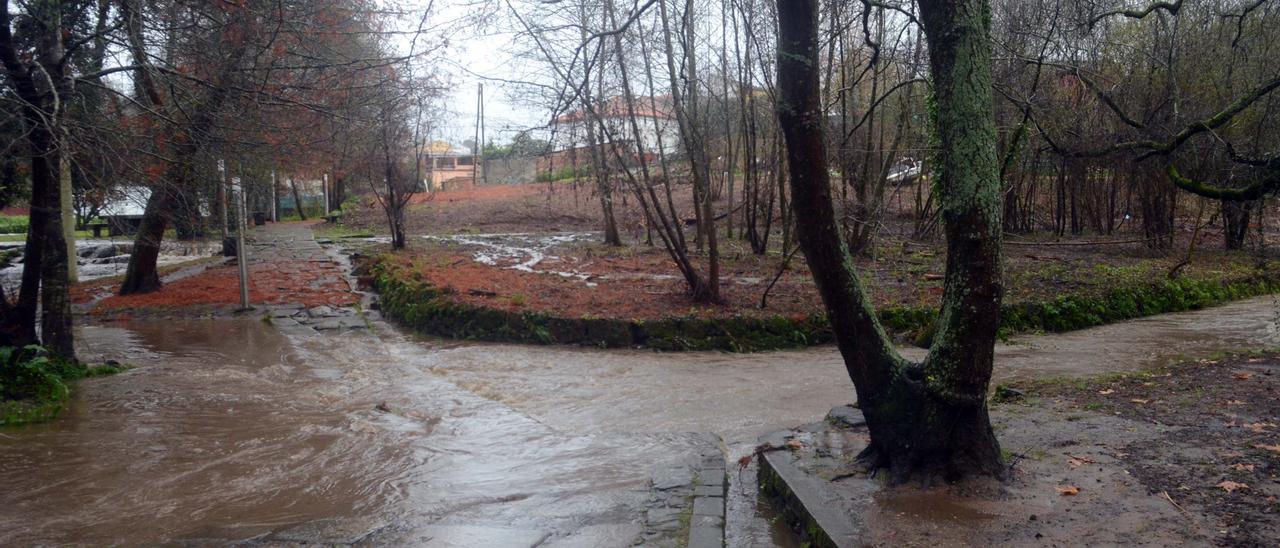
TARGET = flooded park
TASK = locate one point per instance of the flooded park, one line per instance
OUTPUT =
(698, 274)
(244, 430)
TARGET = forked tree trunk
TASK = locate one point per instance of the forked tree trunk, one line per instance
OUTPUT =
(926, 420)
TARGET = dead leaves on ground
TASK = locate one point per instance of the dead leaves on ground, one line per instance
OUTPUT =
(1068, 490)
(1074, 461)
(1232, 486)
(1273, 448)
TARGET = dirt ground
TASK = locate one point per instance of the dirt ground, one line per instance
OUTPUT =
(638, 281)
(1185, 455)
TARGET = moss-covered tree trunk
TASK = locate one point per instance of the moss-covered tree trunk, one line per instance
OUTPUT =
(927, 420)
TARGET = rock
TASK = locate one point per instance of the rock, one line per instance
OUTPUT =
(1005, 393)
(672, 478)
(321, 311)
(327, 325)
(846, 416)
(104, 251)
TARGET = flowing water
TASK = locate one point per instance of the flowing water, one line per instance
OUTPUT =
(100, 258)
(236, 430)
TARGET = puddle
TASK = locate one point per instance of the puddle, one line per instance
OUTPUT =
(523, 252)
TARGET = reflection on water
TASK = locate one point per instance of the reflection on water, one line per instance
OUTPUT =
(229, 430)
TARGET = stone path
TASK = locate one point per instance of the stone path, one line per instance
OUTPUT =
(304, 284)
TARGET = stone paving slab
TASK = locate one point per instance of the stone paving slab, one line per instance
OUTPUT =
(822, 518)
(687, 504)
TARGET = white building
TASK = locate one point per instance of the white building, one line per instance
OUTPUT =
(655, 117)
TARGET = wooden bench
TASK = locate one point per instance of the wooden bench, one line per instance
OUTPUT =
(97, 229)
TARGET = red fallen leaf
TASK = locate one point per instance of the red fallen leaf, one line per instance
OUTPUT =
(1243, 376)
(1074, 461)
(1273, 448)
(1242, 467)
(744, 462)
(1232, 486)
(1068, 490)
(794, 445)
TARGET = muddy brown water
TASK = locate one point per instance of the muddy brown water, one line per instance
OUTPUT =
(235, 430)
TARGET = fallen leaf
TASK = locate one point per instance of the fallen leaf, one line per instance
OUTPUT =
(1235, 402)
(794, 445)
(1242, 467)
(1107, 392)
(1273, 448)
(1260, 427)
(1231, 454)
(744, 462)
(1243, 376)
(1068, 490)
(1140, 402)
(1232, 486)
(1075, 462)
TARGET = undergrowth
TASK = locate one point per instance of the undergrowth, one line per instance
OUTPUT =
(35, 385)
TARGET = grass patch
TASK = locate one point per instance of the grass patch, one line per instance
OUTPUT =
(35, 386)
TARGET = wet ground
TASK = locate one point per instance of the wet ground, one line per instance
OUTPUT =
(239, 429)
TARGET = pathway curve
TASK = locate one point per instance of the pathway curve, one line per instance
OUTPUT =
(243, 430)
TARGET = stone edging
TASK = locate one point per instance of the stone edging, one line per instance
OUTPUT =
(687, 505)
(800, 497)
(414, 301)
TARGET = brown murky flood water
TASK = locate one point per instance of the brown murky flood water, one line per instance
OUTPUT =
(233, 430)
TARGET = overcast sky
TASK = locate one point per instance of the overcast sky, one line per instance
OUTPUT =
(470, 59)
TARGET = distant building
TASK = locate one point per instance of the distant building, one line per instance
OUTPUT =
(655, 119)
(446, 167)
(124, 209)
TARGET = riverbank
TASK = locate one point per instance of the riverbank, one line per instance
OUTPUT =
(559, 289)
(35, 386)
(1184, 453)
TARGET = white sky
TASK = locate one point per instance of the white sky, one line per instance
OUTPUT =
(470, 58)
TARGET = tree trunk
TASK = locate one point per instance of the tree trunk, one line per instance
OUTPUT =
(926, 420)
(142, 275)
(1235, 222)
(297, 200)
(45, 271)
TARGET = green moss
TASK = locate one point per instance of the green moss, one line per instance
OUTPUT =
(34, 386)
(410, 299)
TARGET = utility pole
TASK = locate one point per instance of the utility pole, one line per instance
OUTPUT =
(324, 189)
(478, 148)
(275, 198)
(242, 254)
(484, 173)
(222, 207)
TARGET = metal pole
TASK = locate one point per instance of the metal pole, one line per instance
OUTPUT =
(275, 198)
(325, 188)
(242, 255)
(222, 197)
